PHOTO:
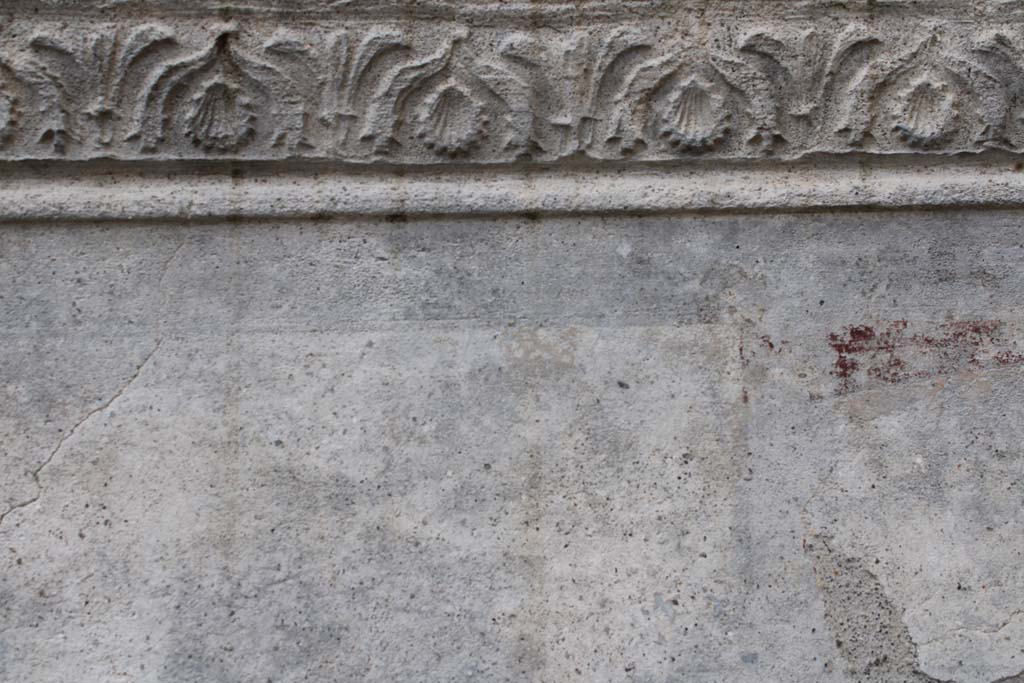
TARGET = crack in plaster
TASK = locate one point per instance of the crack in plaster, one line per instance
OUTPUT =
(985, 631)
(74, 430)
(170, 259)
(164, 269)
(867, 625)
(878, 648)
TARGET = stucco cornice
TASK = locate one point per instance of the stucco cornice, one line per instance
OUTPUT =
(390, 86)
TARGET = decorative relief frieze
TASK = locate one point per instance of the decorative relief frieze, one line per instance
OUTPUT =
(429, 91)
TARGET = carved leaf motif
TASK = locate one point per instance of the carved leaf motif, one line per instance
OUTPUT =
(384, 116)
(522, 79)
(799, 69)
(8, 117)
(137, 45)
(295, 58)
(349, 66)
(851, 80)
(517, 96)
(55, 77)
(1002, 63)
(612, 65)
(563, 92)
(9, 111)
(513, 79)
(327, 80)
(933, 97)
(216, 97)
(627, 113)
(328, 88)
(809, 74)
(86, 80)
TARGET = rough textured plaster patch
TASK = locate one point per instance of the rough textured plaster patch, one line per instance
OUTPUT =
(868, 628)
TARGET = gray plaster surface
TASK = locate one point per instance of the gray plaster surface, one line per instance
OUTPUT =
(737, 448)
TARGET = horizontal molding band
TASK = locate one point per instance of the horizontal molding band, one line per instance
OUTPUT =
(424, 82)
(285, 192)
(505, 11)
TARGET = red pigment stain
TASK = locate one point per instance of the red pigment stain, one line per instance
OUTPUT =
(775, 347)
(1008, 358)
(892, 354)
(747, 353)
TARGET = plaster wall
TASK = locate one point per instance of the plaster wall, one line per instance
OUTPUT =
(694, 448)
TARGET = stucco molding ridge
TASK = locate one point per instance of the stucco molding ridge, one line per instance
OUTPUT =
(468, 83)
(278, 191)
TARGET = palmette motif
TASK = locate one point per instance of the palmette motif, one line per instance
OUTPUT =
(424, 92)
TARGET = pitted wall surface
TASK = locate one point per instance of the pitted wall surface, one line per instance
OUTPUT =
(403, 341)
(721, 448)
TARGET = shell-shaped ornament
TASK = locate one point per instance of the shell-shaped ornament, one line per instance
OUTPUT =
(928, 112)
(694, 119)
(454, 123)
(221, 118)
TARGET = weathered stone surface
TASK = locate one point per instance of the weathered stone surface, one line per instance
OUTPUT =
(406, 82)
(661, 341)
(718, 448)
